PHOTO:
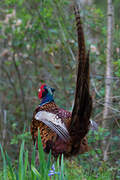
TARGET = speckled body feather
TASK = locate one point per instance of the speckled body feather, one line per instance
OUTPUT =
(62, 131)
(50, 140)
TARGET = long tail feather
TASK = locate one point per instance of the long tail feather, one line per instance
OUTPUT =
(81, 40)
(83, 102)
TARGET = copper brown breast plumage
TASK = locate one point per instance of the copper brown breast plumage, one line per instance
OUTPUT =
(62, 131)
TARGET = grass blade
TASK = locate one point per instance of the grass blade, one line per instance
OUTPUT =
(42, 162)
(49, 161)
(41, 153)
(26, 163)
(4, 164)
(10, 167)
(62, 168)
(21, 167)
(33, 163)
(35, 171)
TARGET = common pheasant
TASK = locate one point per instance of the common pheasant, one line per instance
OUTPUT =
(61, 131)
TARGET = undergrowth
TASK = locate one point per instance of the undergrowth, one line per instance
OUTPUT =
(81, 168)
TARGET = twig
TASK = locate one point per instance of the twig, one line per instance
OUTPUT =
(21, 86)
(109, 107)
(4, 125)
(10, 81)
(93, 83)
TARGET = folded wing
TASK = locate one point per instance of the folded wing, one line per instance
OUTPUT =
(54, 123)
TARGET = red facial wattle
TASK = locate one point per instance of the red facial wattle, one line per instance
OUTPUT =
(40, 94)
(40, 91)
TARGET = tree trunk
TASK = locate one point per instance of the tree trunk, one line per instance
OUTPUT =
(108, 80)
(84, 2)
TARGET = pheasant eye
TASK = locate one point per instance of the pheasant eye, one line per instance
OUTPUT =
(39, 90)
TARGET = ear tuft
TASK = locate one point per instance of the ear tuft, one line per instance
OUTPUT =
(53, 90)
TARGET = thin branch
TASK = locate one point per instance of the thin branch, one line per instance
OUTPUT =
(4, 132)
(21, 86)
(65, 40)
(10, 81)
(108, 106)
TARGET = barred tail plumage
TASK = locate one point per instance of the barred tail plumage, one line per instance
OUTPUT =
(83, 102)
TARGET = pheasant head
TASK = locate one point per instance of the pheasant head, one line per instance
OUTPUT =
(45, 93)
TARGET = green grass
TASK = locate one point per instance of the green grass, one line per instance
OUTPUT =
(27, 170)
(78, 169)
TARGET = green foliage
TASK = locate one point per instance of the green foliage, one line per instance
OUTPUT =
(87, 166)
(72, 169)
(27, 170)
